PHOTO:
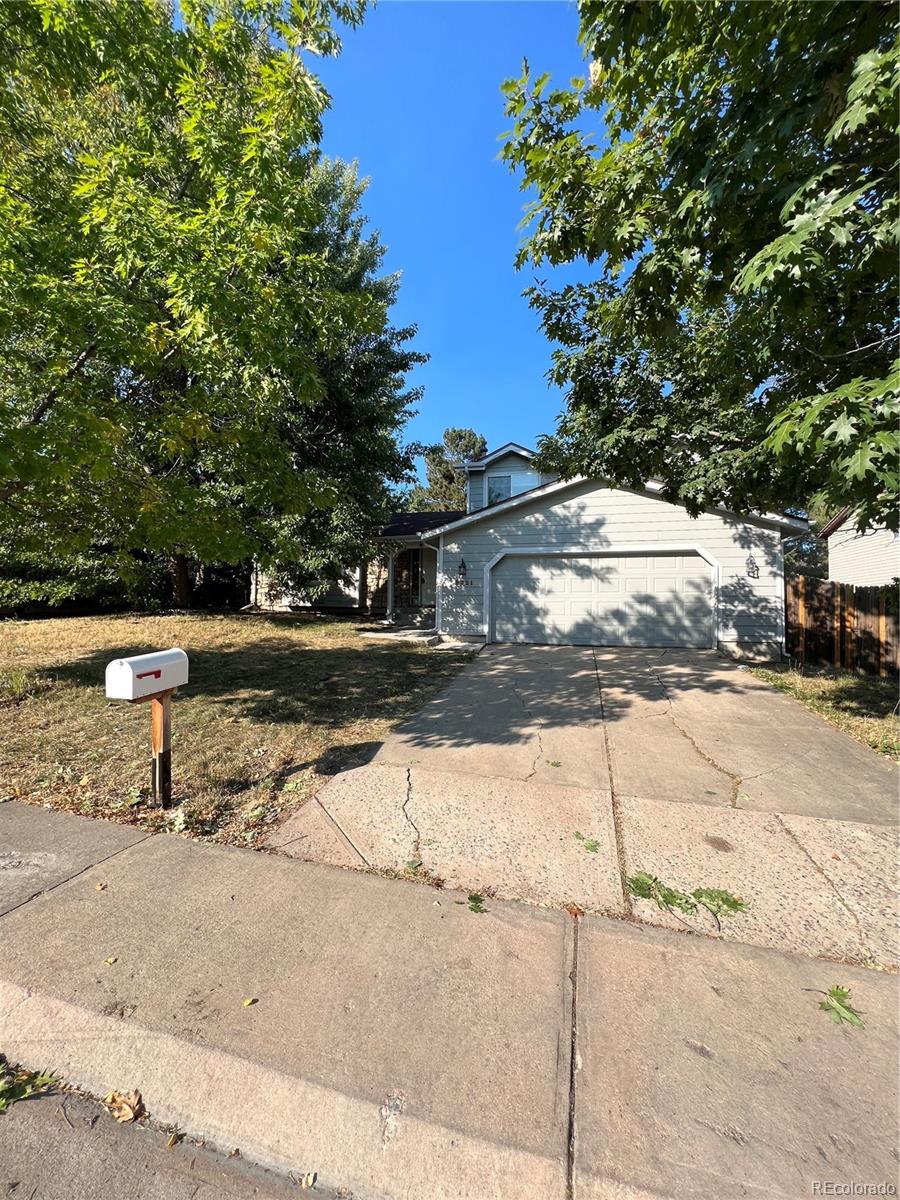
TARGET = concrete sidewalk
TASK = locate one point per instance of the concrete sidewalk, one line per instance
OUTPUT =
(403, 1046)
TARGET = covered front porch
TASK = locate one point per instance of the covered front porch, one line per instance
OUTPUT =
(406, 587)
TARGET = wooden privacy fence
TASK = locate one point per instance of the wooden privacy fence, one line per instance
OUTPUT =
(837, 624)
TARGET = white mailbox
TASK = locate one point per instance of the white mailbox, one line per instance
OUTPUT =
(146, 674)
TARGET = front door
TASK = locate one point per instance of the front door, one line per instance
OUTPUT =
(408, 579)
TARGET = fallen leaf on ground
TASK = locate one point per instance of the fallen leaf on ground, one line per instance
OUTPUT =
(109, 961)
(18, 1084)
(101, 887)
(308, 1180)
(250, 1000)
(837, 1005)
(574, 911)
(173, 1140)
(125, 1107)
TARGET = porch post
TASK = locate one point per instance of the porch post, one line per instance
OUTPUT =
(390, 588)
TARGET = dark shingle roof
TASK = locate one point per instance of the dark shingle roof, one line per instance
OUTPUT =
(409, 524)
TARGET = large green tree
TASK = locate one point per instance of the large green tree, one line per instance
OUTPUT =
(353, 431)
(739, 210)
(445, 472)
(195, 348)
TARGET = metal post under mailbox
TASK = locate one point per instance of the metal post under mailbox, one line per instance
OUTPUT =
(152, 677)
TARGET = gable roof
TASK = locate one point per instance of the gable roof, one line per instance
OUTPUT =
(834, 524)
(411, 524)
(479, 464)
(788, 525)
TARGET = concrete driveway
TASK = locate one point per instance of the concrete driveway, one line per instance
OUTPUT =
(552, 773)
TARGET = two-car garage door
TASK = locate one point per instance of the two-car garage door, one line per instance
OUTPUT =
(603, 600)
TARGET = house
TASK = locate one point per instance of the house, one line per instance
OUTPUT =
(865, 559)
(538, 559)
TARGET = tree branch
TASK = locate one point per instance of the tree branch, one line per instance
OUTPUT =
(847, 353)
(42, 408)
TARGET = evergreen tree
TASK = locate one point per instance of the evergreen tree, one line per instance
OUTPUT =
(445, 472)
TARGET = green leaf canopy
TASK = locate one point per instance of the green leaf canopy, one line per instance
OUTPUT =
(195, 348)
(740, 211)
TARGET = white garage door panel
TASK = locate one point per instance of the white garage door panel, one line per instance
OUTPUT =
(603, 600)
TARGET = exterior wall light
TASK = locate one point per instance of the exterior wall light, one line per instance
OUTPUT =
(752, 567)
(462, 571)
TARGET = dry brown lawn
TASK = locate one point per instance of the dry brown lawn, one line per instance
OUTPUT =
(273, 705)
(864, 706)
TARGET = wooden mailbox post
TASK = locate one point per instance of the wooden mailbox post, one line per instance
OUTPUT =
(152, 677)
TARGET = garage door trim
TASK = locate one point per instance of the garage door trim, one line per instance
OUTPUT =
(605, 552)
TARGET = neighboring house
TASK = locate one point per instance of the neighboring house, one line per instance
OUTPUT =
(864, 559)
(336, 595)
(536, 559)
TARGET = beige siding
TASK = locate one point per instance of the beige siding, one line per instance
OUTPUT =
(863, 559)
(601, 519)
(336, 595)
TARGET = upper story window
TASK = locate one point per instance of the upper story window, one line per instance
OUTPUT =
(499, 487)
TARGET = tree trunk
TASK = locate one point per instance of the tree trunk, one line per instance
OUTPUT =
(363, 597)
(181, 578)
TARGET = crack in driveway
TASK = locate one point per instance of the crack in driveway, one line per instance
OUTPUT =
(618, 832)
(343, 833)
(817, 867)
(404, 808)
(734, 778)
(540, 725)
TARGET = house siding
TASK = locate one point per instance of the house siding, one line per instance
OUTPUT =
(863, 559)
(476, 490)
(429, 574)
(596, 518)
(336, 595)
(524, 477)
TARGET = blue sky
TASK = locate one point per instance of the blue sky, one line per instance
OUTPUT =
(416, 100)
